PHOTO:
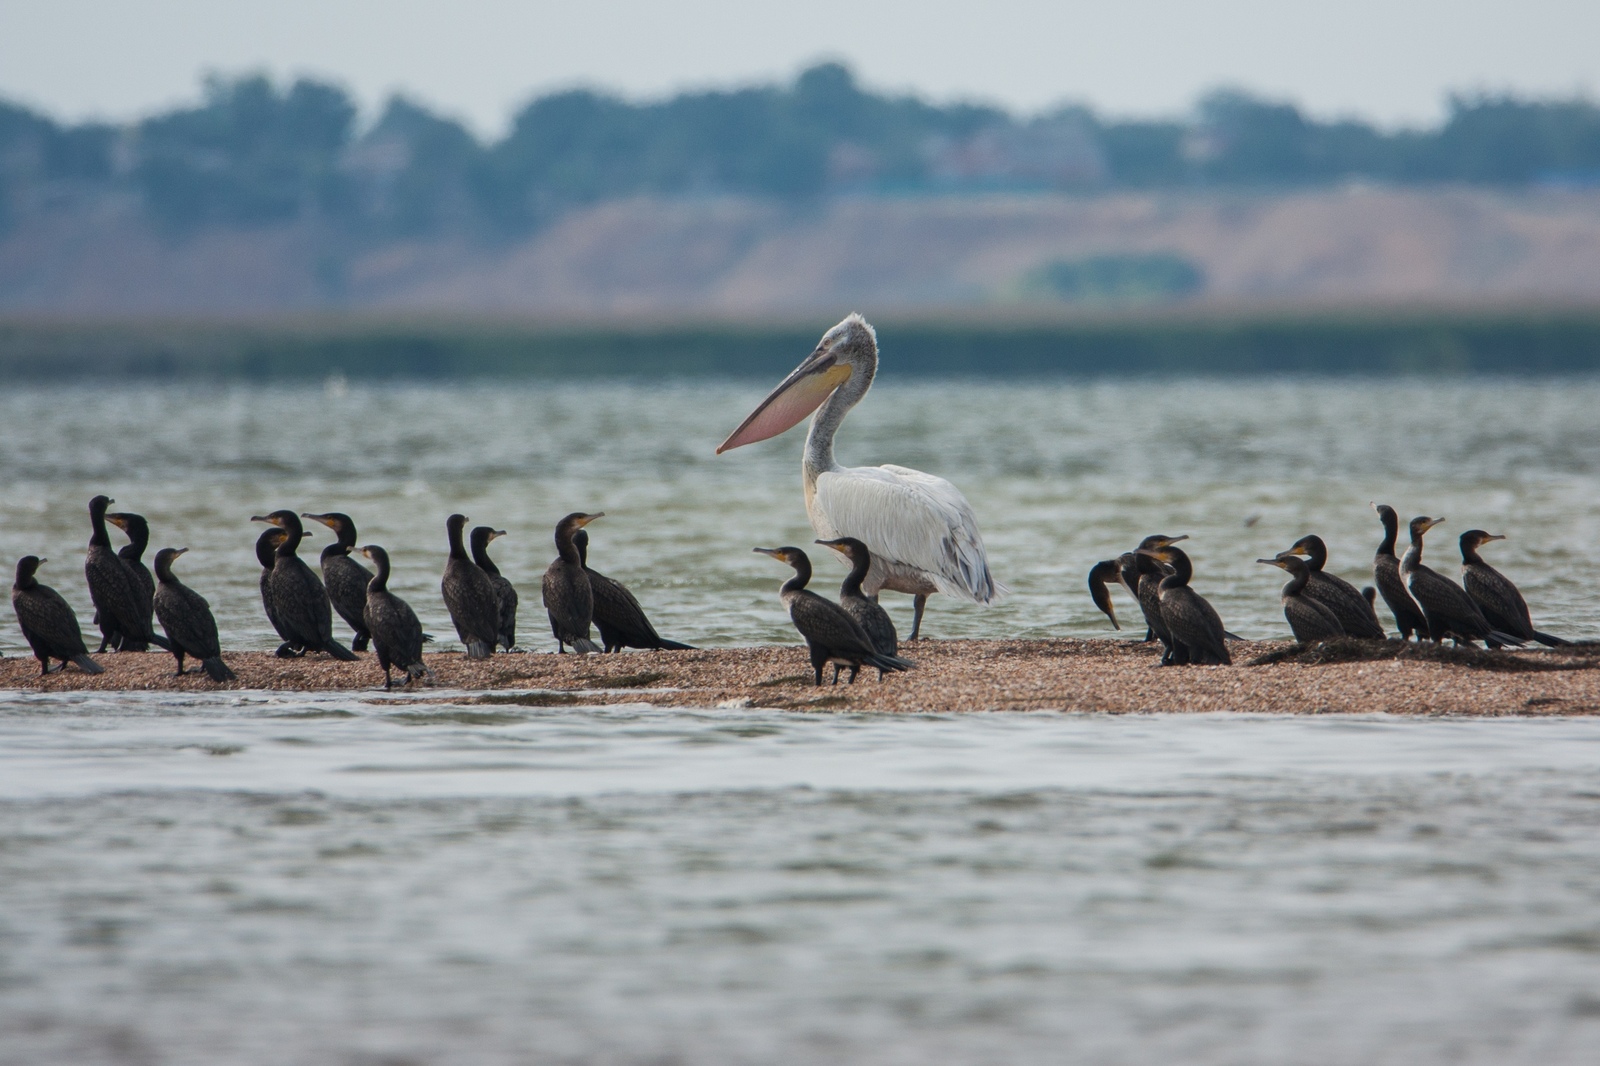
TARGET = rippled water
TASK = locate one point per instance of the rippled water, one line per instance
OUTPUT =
(355, 878)
(1060, 475)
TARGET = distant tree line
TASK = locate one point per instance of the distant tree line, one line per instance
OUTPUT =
(255, 153)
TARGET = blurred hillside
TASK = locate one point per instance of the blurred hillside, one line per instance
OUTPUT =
(788, 199)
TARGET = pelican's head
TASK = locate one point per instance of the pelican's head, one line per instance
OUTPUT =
(846, 349)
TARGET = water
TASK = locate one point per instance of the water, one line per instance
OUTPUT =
(355, 878)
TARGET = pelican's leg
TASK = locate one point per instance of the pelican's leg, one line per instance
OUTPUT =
(917, 606)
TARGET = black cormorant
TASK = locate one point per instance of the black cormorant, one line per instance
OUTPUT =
(119, 601)
(266, 555)
(346, 580)
(1408, 617)
(297, 604)
(1309, 618)
(1355, 614)
(1449, 611)
(186, 616)
(505, 592)
(1194, 627)
(1101, 576)
(1147, 588)
(568, 596)
(617, 614)
(470, 595)
(1499, 600)
(396, 632)
(872, 618)
(830, 633)
(47, 621)
(132, 553)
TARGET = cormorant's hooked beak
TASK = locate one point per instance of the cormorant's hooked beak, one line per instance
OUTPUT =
(178, 551)
(331, 523)
(777, 553)
(800, 393)
(1432, 522)
(117, 520)
(495, 534)
(367, 551)
(1494, 536)
(834, 544)
(267, 519)
(586, 519)
(1278, 562)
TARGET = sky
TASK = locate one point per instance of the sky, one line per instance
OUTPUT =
(1389, 61)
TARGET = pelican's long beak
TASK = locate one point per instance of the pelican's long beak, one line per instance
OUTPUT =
(801, 393)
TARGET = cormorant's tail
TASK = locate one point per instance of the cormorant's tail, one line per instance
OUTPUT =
(427, 638)
(159, 641)
(1551, 642)
(662, 644)
(1497, 639)
(88, 665)
(478, 649)
(1230, 636)
(890, 662)
(217, 670)
(415, 671)
(585, 646)
(360, 643)
(339, 651)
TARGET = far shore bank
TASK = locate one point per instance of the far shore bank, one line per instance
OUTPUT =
(1106, 676)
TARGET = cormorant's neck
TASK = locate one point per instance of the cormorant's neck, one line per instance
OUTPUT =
(25, 582)
(1413, 556)
(1316, 555)
(802, 576)
(98, 536)
(566, 549)
(858, 574)
(164, 572)
(1183, 567)
(1391, 529)
(380, 579)
(1470, 556)
(825, 423)
(480, 555)
(457, 551)
(1297, 581)
(333, 551)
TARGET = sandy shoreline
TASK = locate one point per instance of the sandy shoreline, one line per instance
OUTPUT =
(1074, 675)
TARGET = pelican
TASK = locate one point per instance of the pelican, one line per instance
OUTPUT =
(920, 530)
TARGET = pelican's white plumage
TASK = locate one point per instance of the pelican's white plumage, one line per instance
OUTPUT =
(921, 530)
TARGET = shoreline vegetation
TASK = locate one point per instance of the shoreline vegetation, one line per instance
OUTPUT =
(1073, 675)
(1373, 341)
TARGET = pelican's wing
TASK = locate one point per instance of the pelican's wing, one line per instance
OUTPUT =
(914, 519)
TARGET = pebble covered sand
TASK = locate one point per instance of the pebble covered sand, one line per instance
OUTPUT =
(1109, 676)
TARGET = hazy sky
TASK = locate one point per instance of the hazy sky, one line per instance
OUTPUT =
(1390, 60)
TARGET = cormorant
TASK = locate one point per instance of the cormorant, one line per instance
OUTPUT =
(186, 616)
(505, 591)
(1502, 605)
(470, 595)
(345, 579)
(396, 633)
(1408, 617)
(297, 604)
(119, 600)
(617, 615)
(266, 555)
(1310, 619)
(568, 596)
(872, 618)
(1101, 575)
(1192, 623)
(1355, 614)
(132, 553)
(1148, 588)
(47, 621)
(1128, 564)
(1449, 611)
(831, 634)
